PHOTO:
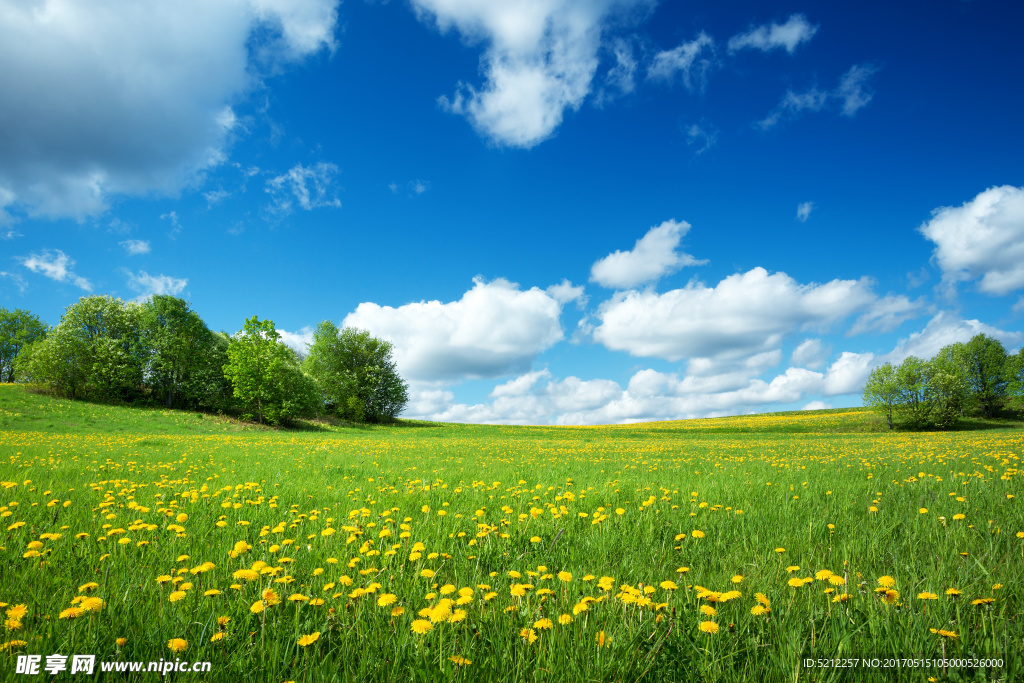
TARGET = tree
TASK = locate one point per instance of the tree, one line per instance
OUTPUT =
(882, 391)
(94, 351)
(265, 375)
(177, 345)
(984, 359)
(913, 401)
(356, 373)
(1013, 372)
(18, 328)
(946, 390)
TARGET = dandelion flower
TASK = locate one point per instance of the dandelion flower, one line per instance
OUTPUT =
(796, 582)
(708, 610)
(952, 592)
(927, 596)
(86, 587)
(17, 612)
(421, 626)
(177, 644)
(177, 595)
(71, 613)
(758, 610)
(459, 660)
(542, 624)
(565, 577)
(257, 607)
(223, 621)
(398, 611)
(305, 641)
(387, 599)
(212, 592)
(669, 585)
(565, 619)
(886, 581)
(92, 604)
(602, 639)
(982, 601)
(121, 642)
(217, 636)
(708, 627)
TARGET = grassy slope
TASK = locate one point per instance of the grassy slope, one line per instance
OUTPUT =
(791, 473)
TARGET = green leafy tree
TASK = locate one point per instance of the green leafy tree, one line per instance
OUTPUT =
(266, 377)
(946, 390)
(18, 328)
(983, 359)
(913, 401)
(95, 351)
(177, 345)
(1013, 372)
(882, 391)
(356, 374)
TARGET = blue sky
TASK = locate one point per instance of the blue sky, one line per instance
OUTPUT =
(560, 211)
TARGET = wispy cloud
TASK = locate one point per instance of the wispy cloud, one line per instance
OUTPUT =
(147, 285)
(852, 94)
(18, 280)
(310, 187)
(55, 265)
(803, 211)
(685, 59)
(772, 36)
(135, 247)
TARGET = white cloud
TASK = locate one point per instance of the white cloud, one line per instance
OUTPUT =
(120, 97)
(537, 398)
(653, 256)
(888, 313)
(565, 291)
(702, 136)
(803, 211)
(175, 223)
(792, 104)
(621, 76)
(767, 37)
(539, 61)
(494, 329)
(816, 405)
(983, 238)
(683, 59)
(943, 329)
(18, 280)
(147, 285)
(135, 247)
(810, 353)
(853, 88)
(745, 314)
(298, 341)
(852, 94)
(848, 373)
(312, 187)
(214, 197)
(55, 265)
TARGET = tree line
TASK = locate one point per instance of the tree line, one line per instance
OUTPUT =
(160, 351)
(973, 378)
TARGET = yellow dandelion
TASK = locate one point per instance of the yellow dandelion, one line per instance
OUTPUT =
(708, 627)
(421, 626)
(565, 619)
(177, 595)
(387, 599)
(305, 641)
(459, 660)
(177, 644)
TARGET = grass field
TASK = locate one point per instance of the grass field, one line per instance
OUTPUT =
(708, 550)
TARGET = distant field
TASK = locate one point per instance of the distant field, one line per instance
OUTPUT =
(725, 549)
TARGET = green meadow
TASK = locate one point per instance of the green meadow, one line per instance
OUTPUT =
(730, 549)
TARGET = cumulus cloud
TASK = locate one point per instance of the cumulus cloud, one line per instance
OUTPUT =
(494, 329)
(685, 59)
(816, 405)
(772, 36)
(653, 256)
(121, 97)
(147, 285)
(538, 398)
(540, 59)
(982, 239)
(55, 265)
(848, 373)
(298, 341)
(744, 314)
(888, 313)
(135, 247)
(803, 211)
(810, 353)
(852, 94)
(310, 187)
(943, 329)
